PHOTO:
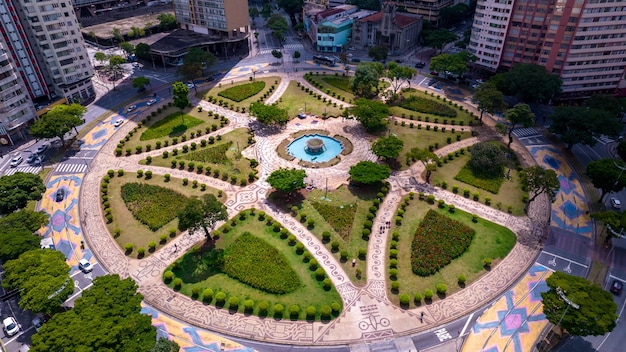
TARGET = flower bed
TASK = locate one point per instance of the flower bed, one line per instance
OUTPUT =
(243, 91)
(171, 125)
(153, 206)
(253, 261)
(339, 218)
(427, 106)
(437, 241)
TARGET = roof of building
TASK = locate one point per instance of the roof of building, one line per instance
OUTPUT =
(180, 40)
(401, 20)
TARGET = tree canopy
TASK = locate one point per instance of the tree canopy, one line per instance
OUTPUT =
(142, 50)
(532, 83)
(201, 214)
(520, 114)
(398, 75)
(287, 180)
(366, 78)
(18, 189)
(167, 20)
(580, 125)
(436, 39)
(429, 160)
(127, 47)
(489, 99)
(43, 276)
(486, 160)
(141, 82)
(369, 173)
(378, 52)
(292, 8)
(17, 232)
(605, 175)
(278, 25)
(100, 57)
(58, 121)
(165, 345)
(388, 148)
(537, 181)
(195, 61)
(180, 95)
(455, 63)
(596, 314)
(371, 114)
(108, 315)
(609, 103)
(269, 114)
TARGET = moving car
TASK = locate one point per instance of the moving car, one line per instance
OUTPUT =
(42, 148)
(420, 65)
(16, 161)
(85, 265)
(616, 203)
(151, 101)
(616, 287)
(10, 327)
(60, 195)
(131, 108)
(118, 122)
(190, 85)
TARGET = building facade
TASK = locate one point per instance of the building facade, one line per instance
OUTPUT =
(580, 40)
(330, 30)
(399, 32)
(225, 18)
(428, 9)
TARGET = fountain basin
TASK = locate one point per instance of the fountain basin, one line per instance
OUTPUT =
(315, 148)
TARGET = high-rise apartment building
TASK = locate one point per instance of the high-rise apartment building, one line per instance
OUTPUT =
(228, 19)
(428, 9)
(583, 41)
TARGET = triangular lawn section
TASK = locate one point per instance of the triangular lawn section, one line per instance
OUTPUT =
(340, 218)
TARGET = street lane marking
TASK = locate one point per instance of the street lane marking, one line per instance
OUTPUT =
(466, 324)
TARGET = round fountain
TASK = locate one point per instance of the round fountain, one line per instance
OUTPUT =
(315, 148)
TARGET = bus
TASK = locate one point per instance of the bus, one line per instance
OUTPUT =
(324, 60)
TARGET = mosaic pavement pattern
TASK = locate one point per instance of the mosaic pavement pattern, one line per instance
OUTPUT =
(515, 321)
(569, 211)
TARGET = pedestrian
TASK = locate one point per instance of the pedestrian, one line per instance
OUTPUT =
(175, 247)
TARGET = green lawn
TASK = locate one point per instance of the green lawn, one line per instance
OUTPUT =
(510, 193)
(345, 224)
(221, 159)
(338, 85)
(462, 115)
(310, 291)
(490, 241)
(243, 91)
(133, 231)
(166, 127)
(295, 99)
(421, 138)
(226, 88)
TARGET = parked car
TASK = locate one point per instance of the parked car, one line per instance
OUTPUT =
(131, 108)
(434, 73)
(616, 287)
(40, 159)
(10, 326)
(16, 160)
(42, 148)
(85, 265)
(190, 85)
(118, 122)
(616, 203)
(31, 158)
(151, 101)
(37, 323)
(420, 65)
(60, 195)
(356, 60)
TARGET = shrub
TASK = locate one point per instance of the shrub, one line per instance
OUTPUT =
(325, 311)
(405, 299)
(128, 247)
(263, 306)
(294, 309)
(220, 297)
(393, 273)
(319, 274)
(487, 262)
(152, 245)
(395, 286)
(336, 307)
(441, 289)
(461, 279)
(163, 238)
(417, 298)
(334, 246)
(362, 253)
(168, 276)
(428, 294)
(325, 236)
(233, 302)
(178, 282)
(279, 309)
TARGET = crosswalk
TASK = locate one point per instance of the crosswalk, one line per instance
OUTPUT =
(28, 169)
(266, 51)
(70, 168)
(604, 140)
(525, 132)
(294, 46)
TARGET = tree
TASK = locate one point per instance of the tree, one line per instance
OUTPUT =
(296, 55)
(609, 103)
(110, 311)
(278, 25)
(141, 82)
(532, 83)
(201, 214)
(42, 276)
(287, 180)
(388, 148)
(58, 121)
(100, 57)
(486, 160)
(292, 8)
(580, 125)
(266, 11)
(398, 75)
(136, 32)
(254, 13)
(596, 314)
(537, 181)
(452, 14)
(269, 114)
(299, 28)
(428, 159)
(371, 114)
(366, 79)
(488, 99)
(605, 175)
(180, 97)
(165, 345)
(195, 61)
(167, 20)
(117, 34)
(142, 50)
(611, 219)
(17, 232)
(378, 52)
(436, 39)
(115, 67)
(128, 48)
(369, 173)
(454, 63)
(277, 54)
(520, 114)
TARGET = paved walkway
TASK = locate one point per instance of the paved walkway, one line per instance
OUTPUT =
(364, 308)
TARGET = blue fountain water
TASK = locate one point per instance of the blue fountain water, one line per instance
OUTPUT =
(332, 148)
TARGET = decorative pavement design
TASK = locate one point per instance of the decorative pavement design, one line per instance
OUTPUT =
(245, 70)
(569, 211)
(515, 321)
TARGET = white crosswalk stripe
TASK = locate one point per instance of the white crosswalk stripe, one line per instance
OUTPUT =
(605, 140)
(30, 169)
(293, 46)
(71, 168)
(266, 51)
(525, 132)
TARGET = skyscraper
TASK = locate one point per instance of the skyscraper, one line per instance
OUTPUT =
(228, 19)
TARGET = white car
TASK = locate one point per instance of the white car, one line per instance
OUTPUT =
(118, 122)
(16, 161)
(151, 101)
(616, 203)
(42, 148)
(10, 326)
(85, 265)
(131, 108)
(190, 85)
